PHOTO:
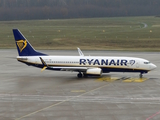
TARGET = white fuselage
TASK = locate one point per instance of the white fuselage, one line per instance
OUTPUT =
(107, 64)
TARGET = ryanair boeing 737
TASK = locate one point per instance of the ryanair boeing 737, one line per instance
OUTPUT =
(83, 65)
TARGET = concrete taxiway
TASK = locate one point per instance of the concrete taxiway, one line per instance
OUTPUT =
(26, 93)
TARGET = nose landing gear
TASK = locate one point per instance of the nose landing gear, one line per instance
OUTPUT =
(141, 75)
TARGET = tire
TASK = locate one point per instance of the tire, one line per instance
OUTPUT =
(79, 75)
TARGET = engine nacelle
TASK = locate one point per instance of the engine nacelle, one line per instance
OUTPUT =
(94, 71)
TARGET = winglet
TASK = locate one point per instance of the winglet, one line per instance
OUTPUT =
(80, 52)
(43, 69)
(44, 64)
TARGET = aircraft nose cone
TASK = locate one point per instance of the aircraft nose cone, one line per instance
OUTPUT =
(153, 66)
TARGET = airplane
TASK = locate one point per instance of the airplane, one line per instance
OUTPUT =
(83, 65)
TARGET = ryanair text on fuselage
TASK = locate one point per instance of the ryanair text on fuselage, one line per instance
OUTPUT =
(106, 62)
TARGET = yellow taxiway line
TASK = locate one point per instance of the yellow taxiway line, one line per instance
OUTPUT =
(124, 79)
(107, 79)
(78, 91)
(135, 80)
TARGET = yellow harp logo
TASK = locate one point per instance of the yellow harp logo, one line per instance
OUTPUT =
(21, 44)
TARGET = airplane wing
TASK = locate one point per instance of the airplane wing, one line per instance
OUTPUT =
(75, 69)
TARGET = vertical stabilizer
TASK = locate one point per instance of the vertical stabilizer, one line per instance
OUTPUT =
(23, 46)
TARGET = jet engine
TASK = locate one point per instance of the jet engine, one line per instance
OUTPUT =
(94, 71)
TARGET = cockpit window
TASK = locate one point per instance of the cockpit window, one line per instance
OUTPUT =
(146, 62)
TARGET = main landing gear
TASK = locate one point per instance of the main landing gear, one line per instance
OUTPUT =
(80, 75)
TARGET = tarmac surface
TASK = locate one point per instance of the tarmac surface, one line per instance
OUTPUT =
(26, 93)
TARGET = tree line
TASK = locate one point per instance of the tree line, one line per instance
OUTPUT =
(56, 9)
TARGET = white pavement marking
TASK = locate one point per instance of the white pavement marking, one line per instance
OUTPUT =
(80, 98)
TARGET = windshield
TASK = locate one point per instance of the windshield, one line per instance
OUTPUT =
(146, 62)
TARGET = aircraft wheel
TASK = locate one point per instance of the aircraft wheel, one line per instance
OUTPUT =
(79, 75)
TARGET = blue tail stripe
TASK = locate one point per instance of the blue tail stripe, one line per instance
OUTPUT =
(23, 46)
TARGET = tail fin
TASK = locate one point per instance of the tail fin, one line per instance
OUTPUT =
(23, 46)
